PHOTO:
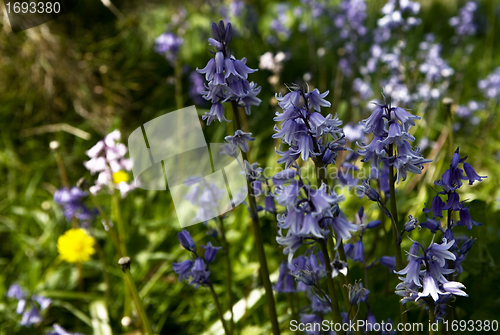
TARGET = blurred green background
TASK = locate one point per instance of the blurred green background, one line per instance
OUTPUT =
(95, 69)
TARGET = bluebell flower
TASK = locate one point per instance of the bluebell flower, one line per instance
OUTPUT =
(168, 45)
(369, 191)
(58, 330)
(210, 252)
(319, 306)
(182, 269)
(15, 291)
(196, 87)
(349, 250)
(270, 206)
(26, 305)
(412, 271)
(389, 262)
(411, 224)
(437, 207)
(72, 202)
(359, 252)
(434, 278)
(342, 227)
(465, 247)
(373, 224)
(431, 224)
(339, 266)
(241, 139)
(312, 322)
(186, 240)
(471, 174)
(466, 219)
(283, 284)
(356, 292)
(199, 273)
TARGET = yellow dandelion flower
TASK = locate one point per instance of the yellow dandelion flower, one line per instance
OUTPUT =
(120, 176)
(75, 246)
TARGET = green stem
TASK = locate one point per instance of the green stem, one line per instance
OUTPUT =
(109, 229)
(178, 84)
(331, 286)
(259, 243)
(138, 302)
(395, 237)
(120, 226)
(122, 243)
(228, 273)
(432, 319)
(219, 309)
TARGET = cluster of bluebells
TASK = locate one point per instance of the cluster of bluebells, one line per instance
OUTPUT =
(227, 76)
(433, 67)
(463, 23)
(490, 86)
(390, 58)
(107, 158)
(307, 133)
(72, 202)
(450, 182)
(391, 129)
(28, 306)
(196, 270)
(442, 261)
(433, 278)
(349, 22)
(235, 9)
(350, 19)
(168, 45)
(397, 14)
(468, 113)
(279, 24)
(310, 214)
